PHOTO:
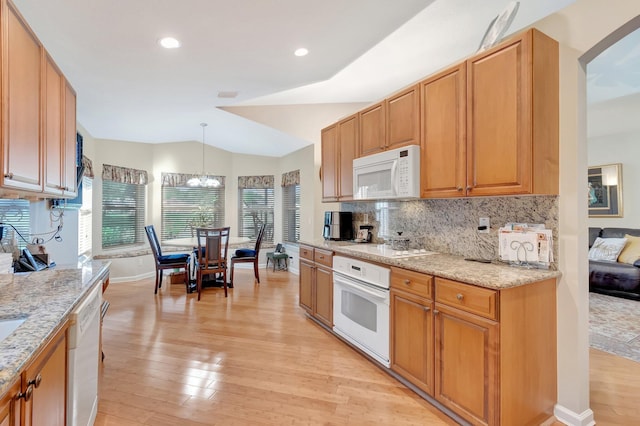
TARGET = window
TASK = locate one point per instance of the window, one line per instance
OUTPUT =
(185, 207)
(123, 206)
(16, 213)
(255, 206)
(291, 206)
(85, 217)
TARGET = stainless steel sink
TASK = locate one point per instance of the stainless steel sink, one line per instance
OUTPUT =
(8, 326)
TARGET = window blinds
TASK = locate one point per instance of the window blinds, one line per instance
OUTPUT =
(185, 207)
(123, 213)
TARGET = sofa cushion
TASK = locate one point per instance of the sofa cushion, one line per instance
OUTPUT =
(607, 248)
(593, 234)
(631, 252)
(614, 277)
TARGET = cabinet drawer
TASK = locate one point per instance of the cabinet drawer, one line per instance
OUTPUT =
(469, 298)
(306, 252)
(323, 257)
(412, 282)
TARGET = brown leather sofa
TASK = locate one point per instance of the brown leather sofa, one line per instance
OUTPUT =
(614, 278)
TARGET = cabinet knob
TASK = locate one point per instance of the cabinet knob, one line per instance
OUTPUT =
(36, 382)
(427, 309)
(459, 296)
(436, 312)
(407, 282)
(469, 188)
(459, 188)
(26, 395)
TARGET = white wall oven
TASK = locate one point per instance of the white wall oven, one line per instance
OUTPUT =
(361, 306)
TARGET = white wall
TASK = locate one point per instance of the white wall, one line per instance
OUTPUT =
(578, 28)
(624, 149)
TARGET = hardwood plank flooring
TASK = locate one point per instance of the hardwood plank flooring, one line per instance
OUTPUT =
(251, 359)
(255, 359)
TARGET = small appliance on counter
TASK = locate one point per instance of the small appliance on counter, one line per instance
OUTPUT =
(364, 234)
(338, 226)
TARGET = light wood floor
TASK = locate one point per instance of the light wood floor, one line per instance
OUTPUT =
(255, 359)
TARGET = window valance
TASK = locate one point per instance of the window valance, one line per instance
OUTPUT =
(180, 179)
(124, 175)
(255, 182)
(88, 166)
(291, 178)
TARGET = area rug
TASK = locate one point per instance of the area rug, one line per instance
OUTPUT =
(614, 325)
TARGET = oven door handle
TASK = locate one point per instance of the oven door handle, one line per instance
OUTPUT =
(354, 285)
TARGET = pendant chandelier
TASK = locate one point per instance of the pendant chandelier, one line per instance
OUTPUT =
(203, 181)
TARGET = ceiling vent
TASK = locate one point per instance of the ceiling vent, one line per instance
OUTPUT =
(227, 94)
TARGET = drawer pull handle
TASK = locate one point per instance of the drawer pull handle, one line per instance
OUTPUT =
(407, 282)
(26, 394)
(36, 382)
(459, 296)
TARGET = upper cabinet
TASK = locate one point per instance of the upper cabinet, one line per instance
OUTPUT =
(403, 118)
(21, 80)
(390, 124)
(490, 124)
(339, 148)
(38, 115)
(443, 161)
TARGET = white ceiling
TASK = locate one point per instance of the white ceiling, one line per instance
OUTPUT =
(360, 50)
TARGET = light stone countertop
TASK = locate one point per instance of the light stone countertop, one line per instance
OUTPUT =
(46, 298)
(495, 275)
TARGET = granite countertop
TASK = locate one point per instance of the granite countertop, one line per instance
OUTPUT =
(46, 299)
(495, 275)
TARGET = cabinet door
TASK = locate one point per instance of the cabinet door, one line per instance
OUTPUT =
(329, 171)
(403, 118)
(53, 137)
(10, 406)
(48, 375)
(306, 286)
(466, 364)
(21, 83)
(347, 140)
(499, 115)
(69, 152)
(372, 130)
(324, 296)
(443, 143)
(412, 339)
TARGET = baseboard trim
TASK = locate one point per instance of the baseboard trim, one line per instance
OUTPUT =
(571, 418)
(165, 279)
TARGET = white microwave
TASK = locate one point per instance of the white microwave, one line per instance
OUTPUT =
(387, 175)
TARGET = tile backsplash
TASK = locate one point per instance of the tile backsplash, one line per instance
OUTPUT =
(451, 225)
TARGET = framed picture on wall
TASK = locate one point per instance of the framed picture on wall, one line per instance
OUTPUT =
(605, 190)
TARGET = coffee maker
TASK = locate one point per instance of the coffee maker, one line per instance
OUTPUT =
(338, 226)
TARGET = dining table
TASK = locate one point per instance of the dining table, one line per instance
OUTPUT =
(191, 242)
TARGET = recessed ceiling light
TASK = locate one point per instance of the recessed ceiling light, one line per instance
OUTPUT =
(169, 43)
(301, 52)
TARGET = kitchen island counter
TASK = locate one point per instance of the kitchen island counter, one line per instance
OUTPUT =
(495, 275)
(45, 299)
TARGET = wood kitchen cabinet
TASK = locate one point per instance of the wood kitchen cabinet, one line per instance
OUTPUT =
(443, 154)
(490, 124)
(316, 283)
(339, 148)
(38, 115)
(10, 406)
(47, 377)
(21, 70)
(411, 335)
(392, 123)
(495, 351)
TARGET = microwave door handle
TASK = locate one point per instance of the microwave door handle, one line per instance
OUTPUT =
(394, 180)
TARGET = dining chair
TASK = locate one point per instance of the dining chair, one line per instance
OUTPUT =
(168, 261)
(213, 244)
(249, 255)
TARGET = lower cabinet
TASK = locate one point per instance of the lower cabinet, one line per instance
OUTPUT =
(47, 375)
(412, 328)
(487, 355)
(10, 405)
(316, 283)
